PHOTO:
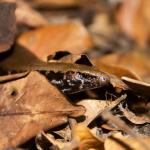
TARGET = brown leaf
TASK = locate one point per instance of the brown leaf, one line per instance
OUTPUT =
(118, 142)
(30, 105)
(10, 77)
(95, 107)
(72, 58)
(135, 62)
(134, 19)
(137, 86)
(25, 14)
(85, 139)
(7, 25)
(134, 118)
(49, 139)
(114, 69)
(71, 36)
(56, 3)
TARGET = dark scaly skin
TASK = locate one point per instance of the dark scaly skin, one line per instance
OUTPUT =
(70, 78)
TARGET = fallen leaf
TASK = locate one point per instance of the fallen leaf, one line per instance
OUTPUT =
(11, 77)
(117, 83)
(115, 69)
(48, 139)
(84, 139)
(25, 14)
(74, 58)
(71, 36)
(134, 118)
(102, 25)
(7, 25)
(135, 23)
(119, 142)
(95, 107)
(31, 103)
(135, 62)
(137, 86)
(55, 3)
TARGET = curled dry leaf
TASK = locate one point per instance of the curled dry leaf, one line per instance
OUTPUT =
(119, 142)
(137, 86)
(101, 25)
(49, 139)
(123, 126)
(135, 62)
(71, 36)
(134, 118)
(118, 84)
(7, 25)
(55, 3)
(95, 107)
(102, 29)
(75, 58)
(10, 77)
(25, 14)
(114, 69)
(84, 139)
(31, 103)
(135, 22)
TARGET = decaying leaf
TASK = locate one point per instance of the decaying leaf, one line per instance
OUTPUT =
(49, 139)
(71, 36)
(7, 25)
(95, 107)
(31, 105)
(25, 14)
(56, 3)
(134, 118)
(137, 86)
(119, 142)
(111, 97)
(134, 61)
(135, 22)
(84, 139)
(115, 69)
(74, 58)
(123, 126)
(10, 77)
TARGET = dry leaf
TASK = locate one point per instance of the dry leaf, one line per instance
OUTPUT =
(95, 107)
(118, 142)
(55, 3)
(133, 17)
(10, 77)
(134, 118)
(101, 25)
(71, 36)
(25, 14)
(7, 25)
(102, 29)
(134, 61)
(114, 69)
(84, 139)
(30, 105)
(137, 86)
(48, 139)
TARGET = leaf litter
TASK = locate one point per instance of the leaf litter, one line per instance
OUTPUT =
(100, 53)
